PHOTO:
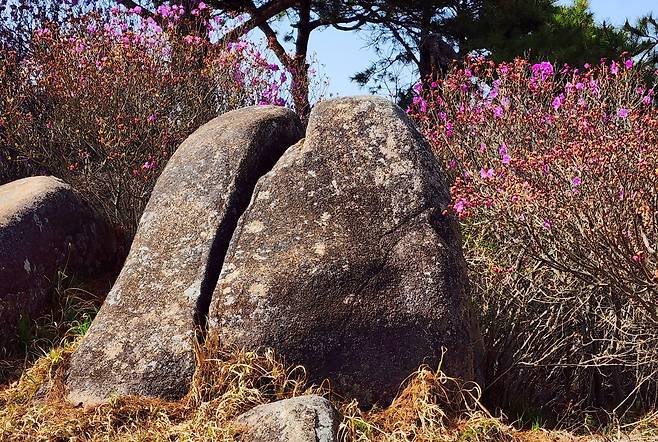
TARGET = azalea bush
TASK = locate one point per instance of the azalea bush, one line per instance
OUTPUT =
(105, 98)
(554, 177)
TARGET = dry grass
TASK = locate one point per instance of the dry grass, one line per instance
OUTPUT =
(224, 386)
(430, 406)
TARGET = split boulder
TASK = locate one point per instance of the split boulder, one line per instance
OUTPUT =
(346, 261)
(142, 340)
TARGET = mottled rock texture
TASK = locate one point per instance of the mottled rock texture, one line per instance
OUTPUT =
(45, 228)
(141, 342)
(345, 261)
(300, 419)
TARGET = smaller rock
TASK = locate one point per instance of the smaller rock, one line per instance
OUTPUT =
(300, 419)
(46, 227)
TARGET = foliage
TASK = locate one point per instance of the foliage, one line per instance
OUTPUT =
(555, 179)
(498, 26)
(272, 18)
(20, 18)
(104, 101)
(501, 29)
(72, 306)
(645, 36)
(564, 34)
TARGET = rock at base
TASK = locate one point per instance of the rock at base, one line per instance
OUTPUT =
(300, 419)
(142, 340)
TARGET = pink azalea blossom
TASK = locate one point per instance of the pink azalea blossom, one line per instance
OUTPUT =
(505, 158)
(542, 70)
(164, 10)
(594, 86)
(449, 129)
(421, 103)
(486, 174)
(622, 113)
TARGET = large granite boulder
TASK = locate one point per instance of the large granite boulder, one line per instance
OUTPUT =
(346, 261)
(299, 419)
(142, 340)
(45, 228)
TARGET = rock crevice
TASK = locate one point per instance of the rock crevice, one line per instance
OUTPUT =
(249, 169)
(142, 340)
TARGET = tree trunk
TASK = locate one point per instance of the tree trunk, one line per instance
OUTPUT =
(299, 71)
(300, 87)
(436, 56)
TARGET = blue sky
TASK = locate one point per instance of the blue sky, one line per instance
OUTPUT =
(341, 54)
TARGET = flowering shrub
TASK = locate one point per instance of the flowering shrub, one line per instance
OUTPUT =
(103, 101)
(554, 177)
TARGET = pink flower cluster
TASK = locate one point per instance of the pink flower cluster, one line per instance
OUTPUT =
(528, 147)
